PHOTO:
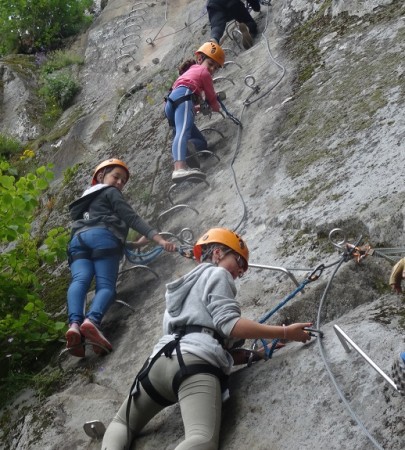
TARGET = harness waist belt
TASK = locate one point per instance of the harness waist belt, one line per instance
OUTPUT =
(187, 329)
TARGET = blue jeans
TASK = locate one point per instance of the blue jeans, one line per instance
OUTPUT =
(184, 127)
(104, 269)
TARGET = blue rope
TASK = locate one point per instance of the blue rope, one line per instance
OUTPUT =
(269, 351)
(142, 258)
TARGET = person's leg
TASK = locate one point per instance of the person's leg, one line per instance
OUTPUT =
(142, 410)
(242, 15)
(198, 139)
(201, 404)
(217, 18)
(106, 271)
(82, 271)
(184, 120)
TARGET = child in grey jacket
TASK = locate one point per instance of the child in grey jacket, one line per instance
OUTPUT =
(102, 219)
(191, 362)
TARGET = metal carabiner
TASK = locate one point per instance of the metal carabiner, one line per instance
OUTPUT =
(316, 273)
(314, 332)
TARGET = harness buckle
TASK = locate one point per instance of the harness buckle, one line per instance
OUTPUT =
(207, 331)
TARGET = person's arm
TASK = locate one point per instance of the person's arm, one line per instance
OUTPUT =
(249, 329)
(210, 94)
(397, 275)
(134, 221)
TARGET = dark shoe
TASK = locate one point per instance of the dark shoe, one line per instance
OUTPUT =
(101, 345)
(180, 175)
(247, 40)
(192, 158)
(74, 341)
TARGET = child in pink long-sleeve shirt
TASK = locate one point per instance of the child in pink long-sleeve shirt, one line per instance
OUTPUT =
(193, 85)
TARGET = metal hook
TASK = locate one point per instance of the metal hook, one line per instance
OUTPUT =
(250, 82)
(337, 244)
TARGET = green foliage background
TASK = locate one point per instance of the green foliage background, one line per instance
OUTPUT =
(26, 329)
(29, 25)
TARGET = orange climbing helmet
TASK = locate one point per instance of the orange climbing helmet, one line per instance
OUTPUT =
(225, 237)
(108, 163)
(213, 51)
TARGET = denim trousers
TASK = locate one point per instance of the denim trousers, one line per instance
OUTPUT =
(200, 403)
(104, 270)
(184, 127)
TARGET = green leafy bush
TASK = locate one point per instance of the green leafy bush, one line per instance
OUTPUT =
(29, 25)
(26, 330)
(61, 88)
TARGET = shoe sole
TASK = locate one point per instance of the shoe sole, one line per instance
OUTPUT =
(100, 344)
(74, 344)
(247, 40)
(191, 177)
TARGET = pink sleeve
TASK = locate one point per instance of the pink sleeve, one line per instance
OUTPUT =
(208, 87)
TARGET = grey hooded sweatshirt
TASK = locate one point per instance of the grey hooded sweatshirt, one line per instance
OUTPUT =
(206, 297)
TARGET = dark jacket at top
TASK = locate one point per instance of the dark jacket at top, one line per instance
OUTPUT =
(108, 208)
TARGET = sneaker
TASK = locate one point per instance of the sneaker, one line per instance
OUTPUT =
(180, 175)
(192, 158)
(247, 40)
(101, 345)
(398, 373)
(74, 341)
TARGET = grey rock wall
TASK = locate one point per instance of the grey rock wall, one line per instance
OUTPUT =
(322, 146)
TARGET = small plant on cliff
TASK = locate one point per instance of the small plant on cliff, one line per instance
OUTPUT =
(9, 145)
(26, 329)
(58, 85)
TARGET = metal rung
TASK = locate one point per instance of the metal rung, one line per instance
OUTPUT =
(344, 339)
(170, 210)
(226, 63)
(186, 182)
(223, 78)
(277, 269)
(139, 266)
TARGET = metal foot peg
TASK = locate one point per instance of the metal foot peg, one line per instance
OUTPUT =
(94, 428)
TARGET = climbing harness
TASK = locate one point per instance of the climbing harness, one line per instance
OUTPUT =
(89, 253)
(185, 371)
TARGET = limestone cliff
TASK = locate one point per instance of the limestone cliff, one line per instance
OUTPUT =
(321, 99)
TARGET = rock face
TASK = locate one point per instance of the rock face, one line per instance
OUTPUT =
(321, 99)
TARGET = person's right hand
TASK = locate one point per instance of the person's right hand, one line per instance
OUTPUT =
(296, 332)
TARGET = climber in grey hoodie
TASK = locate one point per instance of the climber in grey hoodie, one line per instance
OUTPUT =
(191, 362)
